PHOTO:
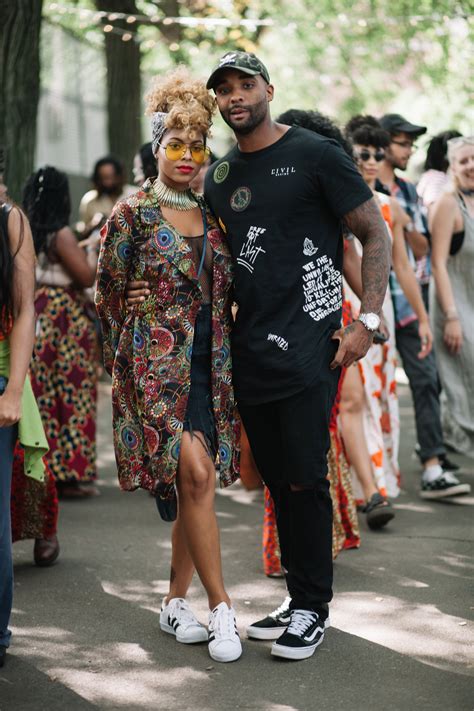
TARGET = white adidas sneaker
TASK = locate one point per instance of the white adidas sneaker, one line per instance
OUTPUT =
(224, 640)
(178, 619)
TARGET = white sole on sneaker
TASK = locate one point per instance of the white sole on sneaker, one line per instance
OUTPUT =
(452, 491)
(197, 635)
(265, 634)
(297, 653)
(229, 656)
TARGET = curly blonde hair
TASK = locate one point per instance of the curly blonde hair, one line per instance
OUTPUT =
(186, 100)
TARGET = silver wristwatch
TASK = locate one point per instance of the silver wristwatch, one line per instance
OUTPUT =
(370, 321)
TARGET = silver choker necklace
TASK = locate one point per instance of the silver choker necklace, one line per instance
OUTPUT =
(174, 199)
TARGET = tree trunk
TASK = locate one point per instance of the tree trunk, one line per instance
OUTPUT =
(19, 89)
(124, 108)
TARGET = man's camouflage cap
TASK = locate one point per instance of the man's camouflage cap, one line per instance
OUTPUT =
(246, 62)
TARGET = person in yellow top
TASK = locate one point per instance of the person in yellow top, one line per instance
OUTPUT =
(19, 416)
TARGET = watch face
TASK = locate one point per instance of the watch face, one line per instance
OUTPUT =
(372, 321)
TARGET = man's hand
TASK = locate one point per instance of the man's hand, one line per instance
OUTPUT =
(136, 293)
(354, 342)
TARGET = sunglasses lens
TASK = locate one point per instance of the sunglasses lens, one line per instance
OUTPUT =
(199, 154)
(380, 155)
(175, 151)
(364, 155)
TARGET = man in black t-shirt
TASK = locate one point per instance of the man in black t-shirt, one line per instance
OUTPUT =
(281, 197)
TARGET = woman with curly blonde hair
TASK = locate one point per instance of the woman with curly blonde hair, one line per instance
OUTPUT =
(169, 355)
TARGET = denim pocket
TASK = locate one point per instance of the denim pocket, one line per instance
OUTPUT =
(3, 384)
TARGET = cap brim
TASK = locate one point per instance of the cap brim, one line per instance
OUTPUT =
(212, 79)
(411, 128)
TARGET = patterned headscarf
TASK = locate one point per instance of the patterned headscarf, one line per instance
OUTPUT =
(157, 128)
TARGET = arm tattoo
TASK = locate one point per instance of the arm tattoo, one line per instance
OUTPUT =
(367, 224)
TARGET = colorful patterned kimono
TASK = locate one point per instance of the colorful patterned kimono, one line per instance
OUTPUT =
(147, 350)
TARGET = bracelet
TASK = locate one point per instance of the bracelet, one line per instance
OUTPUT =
(454, 317)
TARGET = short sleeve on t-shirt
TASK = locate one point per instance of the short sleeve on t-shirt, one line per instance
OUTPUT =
(340, 181)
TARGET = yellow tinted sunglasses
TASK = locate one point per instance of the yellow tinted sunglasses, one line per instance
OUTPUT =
(175, 150)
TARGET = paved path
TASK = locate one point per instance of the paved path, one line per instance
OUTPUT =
(86, 632)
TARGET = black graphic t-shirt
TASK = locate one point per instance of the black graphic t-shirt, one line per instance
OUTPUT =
(281, 210)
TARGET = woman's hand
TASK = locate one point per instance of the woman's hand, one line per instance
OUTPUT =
(452, 336)
(136, 293)
(10, 408)
(426, 338)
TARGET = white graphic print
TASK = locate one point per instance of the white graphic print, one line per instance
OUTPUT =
(284, 170)
(279, 340)
(250, 250)
(308, 248)
(322, 288)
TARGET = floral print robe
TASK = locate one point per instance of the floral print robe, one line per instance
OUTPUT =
(148, 349)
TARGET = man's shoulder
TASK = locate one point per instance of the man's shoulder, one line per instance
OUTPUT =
(89, 196)
(406, 186)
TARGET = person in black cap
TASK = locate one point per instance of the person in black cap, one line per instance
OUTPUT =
(422, 375)
(281, 196)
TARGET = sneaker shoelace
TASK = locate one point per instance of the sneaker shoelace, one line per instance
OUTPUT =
(284, 607)
(222, 623)
(301, 621)
(182, 612)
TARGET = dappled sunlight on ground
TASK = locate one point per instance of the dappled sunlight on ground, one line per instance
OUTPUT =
(419, 631)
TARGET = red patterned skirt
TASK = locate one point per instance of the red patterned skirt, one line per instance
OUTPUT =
(34, 504)
(64, 380)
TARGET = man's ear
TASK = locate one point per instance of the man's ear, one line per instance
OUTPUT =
(270, 89)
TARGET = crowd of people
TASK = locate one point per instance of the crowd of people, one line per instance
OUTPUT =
(250, 311)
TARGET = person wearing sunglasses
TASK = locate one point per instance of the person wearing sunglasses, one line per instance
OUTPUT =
(369, 405)
(169, 355)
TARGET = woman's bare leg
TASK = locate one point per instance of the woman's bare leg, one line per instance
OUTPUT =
(182, 566)
(196, 490)
(351, 412)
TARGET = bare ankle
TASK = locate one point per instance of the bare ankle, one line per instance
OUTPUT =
(216, 600)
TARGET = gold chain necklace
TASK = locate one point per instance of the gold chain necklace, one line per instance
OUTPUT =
(174, 199)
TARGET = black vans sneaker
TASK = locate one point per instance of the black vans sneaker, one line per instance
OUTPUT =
(272, 626)
(304, 633)
(443, 486)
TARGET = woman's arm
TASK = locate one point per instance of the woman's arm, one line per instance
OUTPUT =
(22, 335)
(444, 216)
(74, 258)
(115, 257)
(408, 282)
(352, 267)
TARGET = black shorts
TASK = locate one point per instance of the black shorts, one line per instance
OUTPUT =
(199, 415)
(289, 438)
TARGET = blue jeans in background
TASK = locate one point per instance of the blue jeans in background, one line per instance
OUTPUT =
(8, 437)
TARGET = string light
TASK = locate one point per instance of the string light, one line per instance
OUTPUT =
(89, 16)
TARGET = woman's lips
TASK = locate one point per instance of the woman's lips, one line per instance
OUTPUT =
(185, 169)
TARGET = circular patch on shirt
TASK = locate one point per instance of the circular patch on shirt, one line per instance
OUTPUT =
(240, 199)
(221, 172)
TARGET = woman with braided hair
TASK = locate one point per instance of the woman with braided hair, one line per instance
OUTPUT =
(65, 363)
(169, 355)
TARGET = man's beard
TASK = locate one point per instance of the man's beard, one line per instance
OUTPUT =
(257, 114)
(109, 190)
